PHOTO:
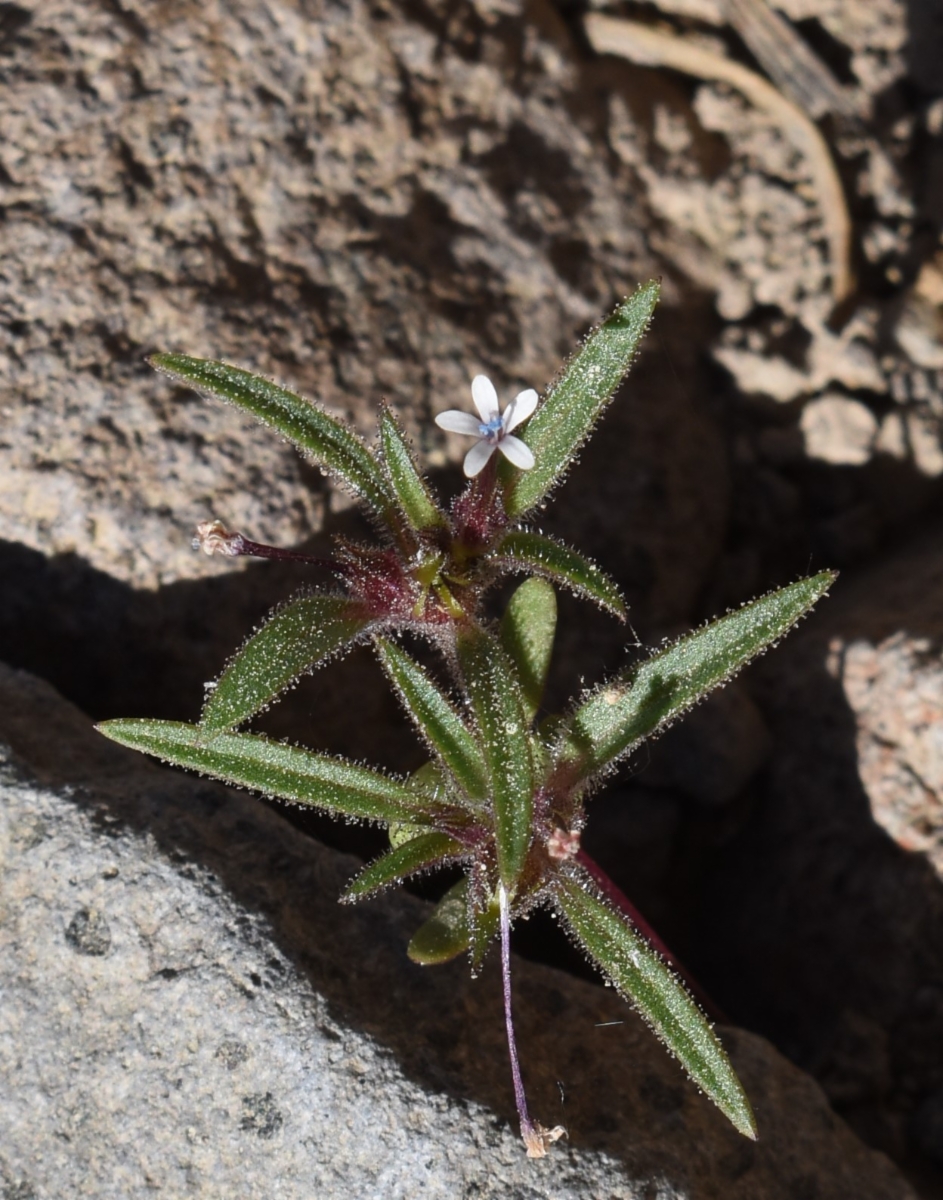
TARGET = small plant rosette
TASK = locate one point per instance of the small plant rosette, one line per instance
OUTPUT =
(504, 793)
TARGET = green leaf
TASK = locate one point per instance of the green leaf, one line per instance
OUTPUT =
(445, 935)
(576, 401)
(443, 729)
(643, 978)
(500, 712)
(643, 699)
(484, 915)
(525, 550)
(286, 772)
(527, 632)
(329, 442)
(415, 498)
(401, 834)
(429, 849)
(295, 638)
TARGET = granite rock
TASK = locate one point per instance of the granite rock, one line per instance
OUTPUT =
(186, 1009)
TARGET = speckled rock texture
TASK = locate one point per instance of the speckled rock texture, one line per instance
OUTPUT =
(359, 202)
(184, 1009)
(380, 199)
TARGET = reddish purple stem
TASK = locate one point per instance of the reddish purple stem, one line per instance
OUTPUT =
(260, 550)
(618, 899)
(527, 1126)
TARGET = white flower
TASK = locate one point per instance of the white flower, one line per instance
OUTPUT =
(492, 429)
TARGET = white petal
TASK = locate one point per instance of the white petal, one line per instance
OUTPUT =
(485, 397)
(476, 458)
(519, 409)
(456, 421)
(514, 451)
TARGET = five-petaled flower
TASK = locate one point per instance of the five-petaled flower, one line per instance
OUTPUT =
(491, 427)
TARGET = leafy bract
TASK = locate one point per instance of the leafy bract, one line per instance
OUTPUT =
(445, 935)
(328, 442)
(285, 772)
(443, 729)
(527, 631)
(500, 714)
(525, 550)
(449, 932)
(644, 979)
(296, 637)
(576, 401)
(643, 699)
(428, 849)
(414, 496)
(484, 917)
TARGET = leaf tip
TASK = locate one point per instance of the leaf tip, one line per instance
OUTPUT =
(744, 1121)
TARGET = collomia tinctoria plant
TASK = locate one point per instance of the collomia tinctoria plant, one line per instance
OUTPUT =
(504, 793)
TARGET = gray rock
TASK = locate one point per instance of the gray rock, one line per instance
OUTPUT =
(237, 1033)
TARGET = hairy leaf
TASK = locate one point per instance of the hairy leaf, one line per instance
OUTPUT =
(644, 979)
(484, 917)
(444, 730)
(296, 637)
(642, 700)
(524, 550)
(429, 849)
(527, 632)
(576, 401)
(285, 772)
(445, 935)
(448, 932)
(500, 713)
(415, 498)
(329, 442)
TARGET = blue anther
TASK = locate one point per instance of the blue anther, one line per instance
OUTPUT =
(492, 429)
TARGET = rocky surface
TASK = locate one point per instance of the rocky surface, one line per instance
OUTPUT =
(380, 199)
(819, 919)
(324, 196)
(187, 1010)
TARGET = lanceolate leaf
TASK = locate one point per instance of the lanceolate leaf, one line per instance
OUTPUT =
(296, 637)
(575, 402)
(645, 698)
(285, 772)
(527, 631)
(445, 935)
(500, 712)
(646, 981)
(524, 550)
(327, 441)
(484, 916)
(414, 496)
(444, 730)
(429, 849)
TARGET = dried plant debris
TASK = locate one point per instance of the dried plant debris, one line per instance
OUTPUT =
(650, 47)
(788, 59)
(774, 229)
